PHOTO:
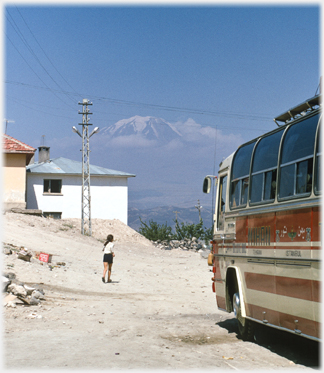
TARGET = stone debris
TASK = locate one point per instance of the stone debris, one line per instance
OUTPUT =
(22, 294)
(14, 291)
(186, 244)
(25, 254)
(5, 283)
(18, 290)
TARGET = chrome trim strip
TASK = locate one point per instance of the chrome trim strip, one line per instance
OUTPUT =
(268, 258)
(274, 207)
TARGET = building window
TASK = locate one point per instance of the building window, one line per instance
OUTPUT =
(52, 186)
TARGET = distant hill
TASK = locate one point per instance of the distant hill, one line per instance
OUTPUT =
(166, 214)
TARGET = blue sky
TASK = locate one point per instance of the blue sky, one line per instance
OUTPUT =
(228, 69)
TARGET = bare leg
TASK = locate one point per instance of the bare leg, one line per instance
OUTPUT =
(105, 270)
(109, 272)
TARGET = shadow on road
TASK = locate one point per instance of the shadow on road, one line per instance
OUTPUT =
(300, 350)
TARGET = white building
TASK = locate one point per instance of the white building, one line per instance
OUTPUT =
(55, 187)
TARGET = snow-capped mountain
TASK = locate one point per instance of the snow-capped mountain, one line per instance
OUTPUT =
(149, 127)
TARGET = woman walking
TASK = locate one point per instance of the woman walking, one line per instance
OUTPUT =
(108, 257)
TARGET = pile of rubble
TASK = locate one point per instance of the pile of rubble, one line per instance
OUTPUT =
(16, 292)
(186, 244)
(19, 293)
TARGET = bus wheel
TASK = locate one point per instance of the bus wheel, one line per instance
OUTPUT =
(245, 326)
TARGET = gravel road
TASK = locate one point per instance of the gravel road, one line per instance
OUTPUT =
(158, 313)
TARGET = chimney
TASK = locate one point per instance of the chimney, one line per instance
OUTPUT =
(43, 154)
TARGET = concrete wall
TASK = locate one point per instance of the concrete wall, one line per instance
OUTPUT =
(109, 196)
(14, 181)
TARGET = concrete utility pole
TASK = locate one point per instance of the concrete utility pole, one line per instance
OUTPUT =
(176, 212)
(199, 208)
(86, 197)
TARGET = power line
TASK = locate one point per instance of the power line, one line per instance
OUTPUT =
(23, 39)
(129, 103)
(186, 110)
(46, 53)
(50, 89)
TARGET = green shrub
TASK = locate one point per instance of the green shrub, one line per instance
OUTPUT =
(188, 230)
(154, 231)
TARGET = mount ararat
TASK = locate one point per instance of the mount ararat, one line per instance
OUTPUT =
(149, 127)
(170, 160)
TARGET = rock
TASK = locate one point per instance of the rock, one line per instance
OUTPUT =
(10, 298)
(5, 283)
(24, 255)
(39, 288)
(38, 295)
(10, 275)
(11, 304)
(174, 243)
(18, 290)
(34, 301)
(29, 289)
(7, 251)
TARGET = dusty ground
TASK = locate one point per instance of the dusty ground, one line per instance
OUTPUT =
(159, 311)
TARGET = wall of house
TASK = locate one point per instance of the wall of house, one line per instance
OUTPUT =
(109, 196)
(14, 181)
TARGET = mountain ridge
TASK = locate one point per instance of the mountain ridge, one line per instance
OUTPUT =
(167, 215)
(149, 127)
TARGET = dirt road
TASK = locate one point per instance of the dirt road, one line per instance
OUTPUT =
(158, 313)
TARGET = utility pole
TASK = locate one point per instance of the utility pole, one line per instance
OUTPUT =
(8, 121)
(199, 208)
(176, 212)
(86, 197)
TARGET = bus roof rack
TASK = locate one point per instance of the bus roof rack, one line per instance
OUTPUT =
(299, 110)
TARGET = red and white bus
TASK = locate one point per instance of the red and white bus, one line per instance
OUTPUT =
(266, 248)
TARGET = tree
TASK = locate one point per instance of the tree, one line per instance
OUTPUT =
(154, 231)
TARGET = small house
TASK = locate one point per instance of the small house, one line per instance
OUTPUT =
(55, 187)
(16, 155)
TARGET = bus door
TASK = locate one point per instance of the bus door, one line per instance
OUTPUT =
(220, 241)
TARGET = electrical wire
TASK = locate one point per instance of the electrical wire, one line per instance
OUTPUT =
(46, 53)
(23, 39)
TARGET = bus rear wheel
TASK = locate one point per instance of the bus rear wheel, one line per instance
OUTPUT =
(245, 326)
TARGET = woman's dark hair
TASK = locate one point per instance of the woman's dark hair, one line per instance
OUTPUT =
(110, 238)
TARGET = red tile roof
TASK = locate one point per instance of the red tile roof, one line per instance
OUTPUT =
(11, 145)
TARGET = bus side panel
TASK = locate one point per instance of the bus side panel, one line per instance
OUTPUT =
(298, 293)
(259, 275)
(316, 226)
(316, 271)
(294, 227)
(241, 230)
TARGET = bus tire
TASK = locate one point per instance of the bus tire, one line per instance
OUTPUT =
(245, 326)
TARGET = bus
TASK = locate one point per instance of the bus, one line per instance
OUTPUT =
(266, 246)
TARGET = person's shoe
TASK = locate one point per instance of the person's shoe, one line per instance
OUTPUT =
(109, 280)
(103, 279)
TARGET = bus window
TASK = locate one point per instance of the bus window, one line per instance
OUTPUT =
(221, 203)
(264, 168)
(296, 164)
(318, 187)
(240, 176)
